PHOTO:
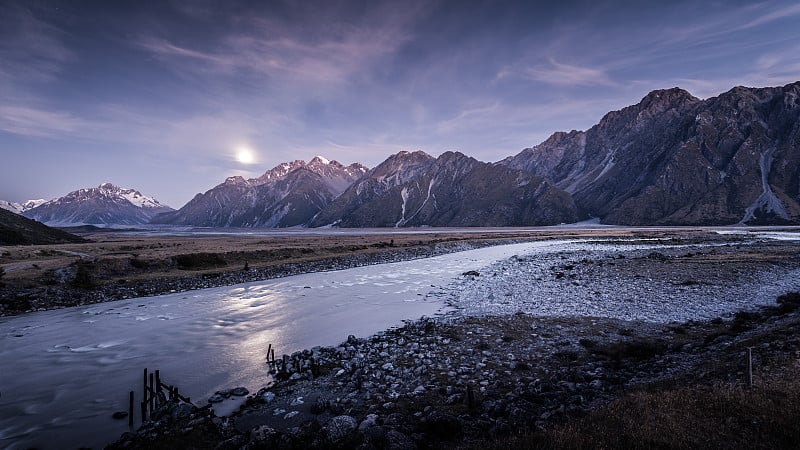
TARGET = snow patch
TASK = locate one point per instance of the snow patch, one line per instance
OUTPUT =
(767, 201)
(404, 196)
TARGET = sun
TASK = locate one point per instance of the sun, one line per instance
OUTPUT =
(245, 156)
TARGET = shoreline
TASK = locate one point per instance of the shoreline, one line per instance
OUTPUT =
(63, 295)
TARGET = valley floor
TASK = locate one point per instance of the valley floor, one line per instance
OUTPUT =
(117, 265)
(636, 346)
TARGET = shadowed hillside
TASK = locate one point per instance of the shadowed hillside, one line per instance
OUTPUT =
(18, 230)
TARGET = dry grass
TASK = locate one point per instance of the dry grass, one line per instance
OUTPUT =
(719, 416)
(700, 409)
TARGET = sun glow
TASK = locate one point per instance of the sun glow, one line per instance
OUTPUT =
(245, 156)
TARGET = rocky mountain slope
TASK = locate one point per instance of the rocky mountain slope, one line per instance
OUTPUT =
(415, 189)
(106, 204)
(18, 230)
(674, 159)
(285, 196)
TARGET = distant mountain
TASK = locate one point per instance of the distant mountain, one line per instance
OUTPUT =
(19, 208)
(415, 189)
(11, 206)
(106, 204)
(673, 159)
(18, 230)
(288, 195)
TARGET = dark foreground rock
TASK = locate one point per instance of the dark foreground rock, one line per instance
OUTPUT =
(466, 381)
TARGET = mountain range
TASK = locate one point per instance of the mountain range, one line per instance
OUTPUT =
(671, 159)
(289, 195)
(416, 189)
(106, 204)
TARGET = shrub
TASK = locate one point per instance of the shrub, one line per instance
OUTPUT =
(83, 277)
(194, 261)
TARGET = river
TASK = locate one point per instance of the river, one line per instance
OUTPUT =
(65, 372)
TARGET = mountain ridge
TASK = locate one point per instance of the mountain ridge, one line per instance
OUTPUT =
(107, 204)
(288, 195)
(673, 159)
(670, 159)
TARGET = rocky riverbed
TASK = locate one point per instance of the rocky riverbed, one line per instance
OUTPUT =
(531, 343)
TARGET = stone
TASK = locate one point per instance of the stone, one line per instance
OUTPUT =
(233, 443)
(182, 411)
(319, 406)
(339, 428)
(119, 415)
(263, 434)
(369, 421)
(240, 391)
(396, 440)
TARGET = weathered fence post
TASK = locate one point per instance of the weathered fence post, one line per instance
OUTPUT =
(750, 366)
(152, 394)
(130, 409)
(144, 390)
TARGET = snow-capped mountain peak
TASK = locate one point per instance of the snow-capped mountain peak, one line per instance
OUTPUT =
(289, 194)
(19, 208)
(107, 204)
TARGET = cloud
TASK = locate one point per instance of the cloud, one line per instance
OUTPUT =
(560, 74)
(31, 49)
(315, 49)
(781, 13)
(27, 121)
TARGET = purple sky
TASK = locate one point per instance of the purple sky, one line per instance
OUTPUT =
(162, 96)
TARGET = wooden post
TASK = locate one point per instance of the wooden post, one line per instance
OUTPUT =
(157, 393)
(130, 409)
(750, 366)
(269, 349)
(152, 394)
(144, 391)
(144, 411)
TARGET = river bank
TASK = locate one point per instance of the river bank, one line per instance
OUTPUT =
(118, 265)
(504, 362)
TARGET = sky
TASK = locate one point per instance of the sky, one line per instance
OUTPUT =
(171, 97)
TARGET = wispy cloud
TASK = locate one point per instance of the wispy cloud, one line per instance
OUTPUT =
(31, 50)
(315, 52)
(27, 121)
(783, 12)
(559, 74)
